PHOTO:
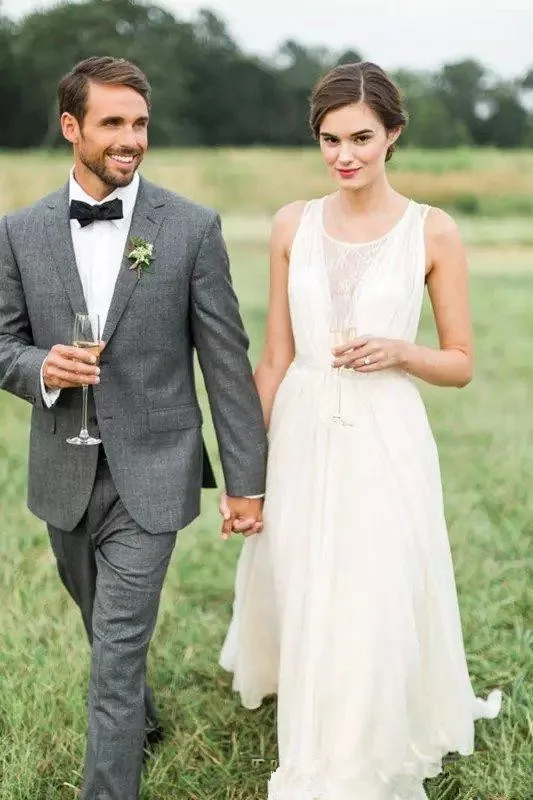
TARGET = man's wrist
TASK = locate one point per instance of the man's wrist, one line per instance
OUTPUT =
(49, 396)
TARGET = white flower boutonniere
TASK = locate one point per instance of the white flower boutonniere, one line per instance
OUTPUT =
(141, 255)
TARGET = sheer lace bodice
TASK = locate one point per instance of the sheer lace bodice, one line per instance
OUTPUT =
(346, 265)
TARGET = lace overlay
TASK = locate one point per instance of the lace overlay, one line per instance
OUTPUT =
(347, 266)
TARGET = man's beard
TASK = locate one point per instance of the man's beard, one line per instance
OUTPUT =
(98, 168)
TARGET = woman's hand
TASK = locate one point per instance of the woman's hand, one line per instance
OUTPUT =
(371, 354)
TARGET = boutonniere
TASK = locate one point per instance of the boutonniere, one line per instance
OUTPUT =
(141, 255)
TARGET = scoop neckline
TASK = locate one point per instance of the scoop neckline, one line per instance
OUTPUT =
(369, 241)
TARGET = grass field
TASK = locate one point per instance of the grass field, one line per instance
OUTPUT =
(258, 181)
(215, 750)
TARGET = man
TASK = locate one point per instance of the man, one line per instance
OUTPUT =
(113, 510)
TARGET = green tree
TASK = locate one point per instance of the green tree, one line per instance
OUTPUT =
(206, 91)
(48, 43)
(298, 69)
(527, 80)
(431, 123)
(461, 86)
(507, 124)
(10, 85)
(229, 98)
(348, 57)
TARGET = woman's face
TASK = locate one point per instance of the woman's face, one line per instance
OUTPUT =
(354, 144)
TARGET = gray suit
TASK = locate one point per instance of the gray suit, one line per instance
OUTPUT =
(103, 508)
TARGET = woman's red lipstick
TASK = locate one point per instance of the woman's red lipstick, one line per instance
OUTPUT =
(348, 173)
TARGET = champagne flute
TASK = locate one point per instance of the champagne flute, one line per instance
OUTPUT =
(86, 336)
(339, 337)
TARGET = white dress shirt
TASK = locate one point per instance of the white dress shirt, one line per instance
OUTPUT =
(99, 249)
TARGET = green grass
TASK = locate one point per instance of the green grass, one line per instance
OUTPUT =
(478, 233)
(486, 183)
(460, 159)
(215, 750)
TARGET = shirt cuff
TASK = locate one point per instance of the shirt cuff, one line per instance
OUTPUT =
(50, 396)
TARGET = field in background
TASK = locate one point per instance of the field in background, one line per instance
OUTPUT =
(215, 750)
(257, 181)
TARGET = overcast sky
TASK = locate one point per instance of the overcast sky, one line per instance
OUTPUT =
(421, 34)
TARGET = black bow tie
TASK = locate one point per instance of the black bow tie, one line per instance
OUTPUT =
(86, 213)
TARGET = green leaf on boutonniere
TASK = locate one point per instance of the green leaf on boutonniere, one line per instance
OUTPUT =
(141, 255)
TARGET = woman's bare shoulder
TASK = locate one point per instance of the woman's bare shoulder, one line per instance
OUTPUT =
(285, 223)
(443, 239)
(290, 214)
(440, 226)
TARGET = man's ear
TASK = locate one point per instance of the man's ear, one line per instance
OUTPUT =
(70, 127)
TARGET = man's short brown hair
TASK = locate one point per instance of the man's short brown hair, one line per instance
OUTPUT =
(73, 88)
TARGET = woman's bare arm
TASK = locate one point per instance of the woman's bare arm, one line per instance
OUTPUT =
(447, 282)
(278, 350)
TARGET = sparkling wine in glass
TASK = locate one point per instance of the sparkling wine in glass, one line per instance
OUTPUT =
(338, 337)
(86, 336)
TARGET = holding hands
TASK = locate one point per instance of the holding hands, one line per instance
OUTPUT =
(371, 354)
(241, 515)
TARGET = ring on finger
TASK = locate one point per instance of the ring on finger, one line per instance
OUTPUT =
(366, 361)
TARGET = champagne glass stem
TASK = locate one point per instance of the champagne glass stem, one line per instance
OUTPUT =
(339, 390)
(84, 433)
(86, 335)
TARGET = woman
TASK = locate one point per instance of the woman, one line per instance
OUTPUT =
(346, 605)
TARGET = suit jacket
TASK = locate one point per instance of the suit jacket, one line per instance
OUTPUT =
(145, 407)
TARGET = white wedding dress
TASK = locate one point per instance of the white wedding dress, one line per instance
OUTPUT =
(346, 604)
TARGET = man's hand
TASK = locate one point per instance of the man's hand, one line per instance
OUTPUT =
(241, 515)
(67, 367)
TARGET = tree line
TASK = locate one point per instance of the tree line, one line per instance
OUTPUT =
(208, 92)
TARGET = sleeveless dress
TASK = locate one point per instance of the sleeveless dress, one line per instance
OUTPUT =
(346, 606)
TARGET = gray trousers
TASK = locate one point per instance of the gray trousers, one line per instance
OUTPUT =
(114, 570)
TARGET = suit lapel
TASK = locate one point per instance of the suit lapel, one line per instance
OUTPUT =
(145, 223)
(60, 241)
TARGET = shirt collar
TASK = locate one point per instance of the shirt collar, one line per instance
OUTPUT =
(128, 195)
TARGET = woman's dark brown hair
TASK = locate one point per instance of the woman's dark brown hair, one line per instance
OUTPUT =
(73, 87)
(359, 82)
